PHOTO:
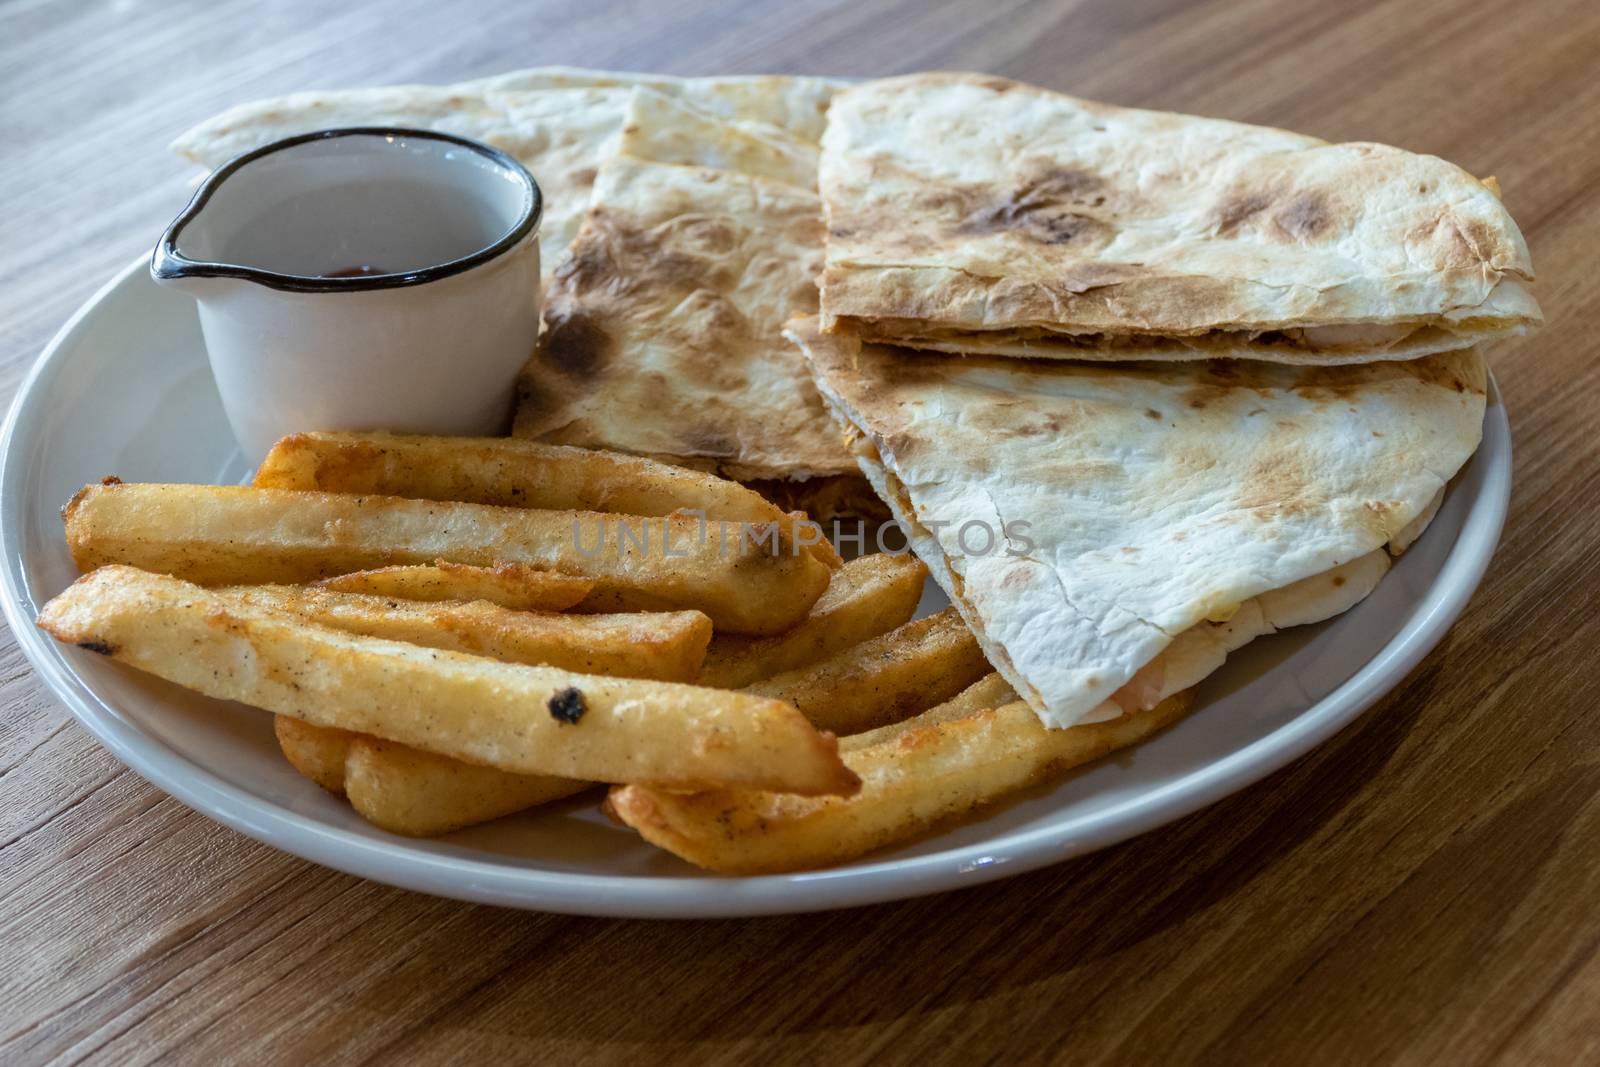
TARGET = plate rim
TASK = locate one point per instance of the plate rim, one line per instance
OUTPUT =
(717, 896)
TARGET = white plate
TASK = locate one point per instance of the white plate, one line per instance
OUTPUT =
(124, 389)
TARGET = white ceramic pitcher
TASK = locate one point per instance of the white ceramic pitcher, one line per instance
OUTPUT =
(362, 279)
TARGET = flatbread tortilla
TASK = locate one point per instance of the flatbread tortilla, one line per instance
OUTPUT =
(974, 214)
(1151, 497)
(665, 326)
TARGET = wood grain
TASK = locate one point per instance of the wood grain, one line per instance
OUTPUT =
(1423, 889)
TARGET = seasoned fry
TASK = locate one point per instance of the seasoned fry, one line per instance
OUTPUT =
(888, 677)
(419, 794)
(416, 793)
(667, 646)
(511, 473)
(866, 597)
(909, 784)
(528, 720)
(315, 751)
(518, 586)
(234, 534)
(990, 691)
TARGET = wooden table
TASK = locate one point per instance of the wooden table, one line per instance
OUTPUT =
(1424, 888)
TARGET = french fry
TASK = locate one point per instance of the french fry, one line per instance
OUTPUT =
(527, 720)
(888, 677)
(866, 597)
(667, 646)
(990, 691)
(518, 586)
(910, 784)
(512, 473)
(318, 752)
(418, 794)
(400, 786)
(234, 534)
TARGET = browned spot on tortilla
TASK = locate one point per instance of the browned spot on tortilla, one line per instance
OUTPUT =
(998, 85)
(807, 231)
(1338, 580)
(1152, 413)
(1327, 384)
(1275, 484)
(1448, 240)
(1014, 577)
(1192, 459)
(1001, 418)
(583, 176)
(532, 399)
(1043, 208)
(1201, 396)
(1477, 236)
(576, 344)
(1306, 217)
(1236, 210)
(623, 260)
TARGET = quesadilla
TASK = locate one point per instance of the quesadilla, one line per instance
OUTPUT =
(1087, 517)
(556, 123)
(974, 214)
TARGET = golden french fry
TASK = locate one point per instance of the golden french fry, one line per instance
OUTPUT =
(888, 677)
(235, 534)
(990, 691)
(315, 751)
(511, 473)
(668, 646)
(419, 794)
(518, 586)
(528, 720)
(866, 597)
(910, 784)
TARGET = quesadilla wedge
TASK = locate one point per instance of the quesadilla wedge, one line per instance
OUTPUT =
(974, 214)
(1083, 517)
(665, 327)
